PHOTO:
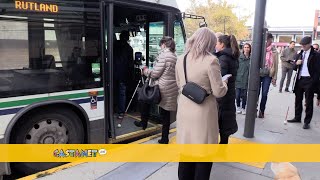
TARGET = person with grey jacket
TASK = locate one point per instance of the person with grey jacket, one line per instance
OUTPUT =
(287, 57)
(164, 74)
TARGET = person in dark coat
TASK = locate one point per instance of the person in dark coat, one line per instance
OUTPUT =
(228, 53)
(123, 69)
(308, 74)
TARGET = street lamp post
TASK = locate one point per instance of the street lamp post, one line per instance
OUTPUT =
(254, 78)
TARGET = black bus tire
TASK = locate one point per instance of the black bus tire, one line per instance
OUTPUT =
(61, 119)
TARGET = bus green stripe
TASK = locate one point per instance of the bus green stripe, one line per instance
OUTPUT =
(36, 100)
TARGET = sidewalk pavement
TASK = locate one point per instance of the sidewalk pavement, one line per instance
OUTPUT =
(270, 130)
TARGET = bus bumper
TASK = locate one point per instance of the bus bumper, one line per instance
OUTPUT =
(4, 167)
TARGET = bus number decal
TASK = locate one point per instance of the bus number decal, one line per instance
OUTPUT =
(33, 6)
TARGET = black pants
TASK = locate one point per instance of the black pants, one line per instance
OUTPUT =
(165, 118)
(304, 86)
(194, 170)
(224, 139)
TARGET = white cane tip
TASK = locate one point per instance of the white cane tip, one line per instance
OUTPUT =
(119, 125)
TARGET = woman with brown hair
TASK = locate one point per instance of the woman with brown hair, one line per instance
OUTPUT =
(242, 79)
(228, 53)
(164, 74)
(198, 123)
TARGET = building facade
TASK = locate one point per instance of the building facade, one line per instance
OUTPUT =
(283, 35)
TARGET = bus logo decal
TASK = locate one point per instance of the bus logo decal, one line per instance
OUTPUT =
(33, 6)
(93, 99)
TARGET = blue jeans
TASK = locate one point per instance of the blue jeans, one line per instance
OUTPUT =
(122, 97)
(264, 85)
(241, 95)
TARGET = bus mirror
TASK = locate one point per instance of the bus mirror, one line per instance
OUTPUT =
(192, 16)
(181, 16)
(203, 24)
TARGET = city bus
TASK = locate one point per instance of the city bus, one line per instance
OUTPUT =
(56, 69)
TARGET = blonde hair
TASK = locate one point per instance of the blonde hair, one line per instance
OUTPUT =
(202, 42)
(218, 34)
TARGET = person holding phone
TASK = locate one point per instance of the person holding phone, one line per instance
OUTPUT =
(287, 58)
(228, 53)
(198, 123)
(308, 74)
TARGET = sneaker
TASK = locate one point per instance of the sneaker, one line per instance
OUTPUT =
(239, 110)
(287, 90)
(120, 116)
(243, 111)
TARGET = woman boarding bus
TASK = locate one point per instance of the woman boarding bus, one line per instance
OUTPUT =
(56, 75)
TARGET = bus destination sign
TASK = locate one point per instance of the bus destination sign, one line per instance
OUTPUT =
(34, 6)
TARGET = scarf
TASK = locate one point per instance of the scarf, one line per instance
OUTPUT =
(269, 57)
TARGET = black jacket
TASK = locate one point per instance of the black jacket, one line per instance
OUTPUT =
(123, 61)
(313, 67)
(227, 109)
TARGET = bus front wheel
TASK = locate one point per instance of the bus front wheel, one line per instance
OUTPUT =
(50, 126)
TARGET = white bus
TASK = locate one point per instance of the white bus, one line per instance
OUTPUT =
(56, 69)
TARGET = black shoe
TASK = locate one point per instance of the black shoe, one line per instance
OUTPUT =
(294, 120)
(261, 114)
(140, 124)
(286, 90)
(306, 126)
(161, 141)
(280, 91)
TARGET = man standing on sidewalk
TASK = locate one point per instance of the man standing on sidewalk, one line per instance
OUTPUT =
(287, 58)
(307, 66)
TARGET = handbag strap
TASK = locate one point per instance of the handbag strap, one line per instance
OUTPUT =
(185, 67)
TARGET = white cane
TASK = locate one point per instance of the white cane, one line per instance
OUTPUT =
(135, 91)
(295, 77)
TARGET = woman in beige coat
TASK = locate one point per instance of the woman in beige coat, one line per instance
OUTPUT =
(198, 123)
(164, 74)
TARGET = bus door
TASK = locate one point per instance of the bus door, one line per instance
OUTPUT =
(144, 24)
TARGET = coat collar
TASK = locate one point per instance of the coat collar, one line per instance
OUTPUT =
(242, 56)
(310, 59)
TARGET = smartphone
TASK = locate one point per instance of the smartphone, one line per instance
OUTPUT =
(226, 77)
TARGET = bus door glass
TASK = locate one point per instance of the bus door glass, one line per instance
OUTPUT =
(133, 42)
(179, 37)
(156, 33)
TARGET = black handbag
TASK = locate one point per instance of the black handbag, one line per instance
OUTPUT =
(149, 94)
(192, 90)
